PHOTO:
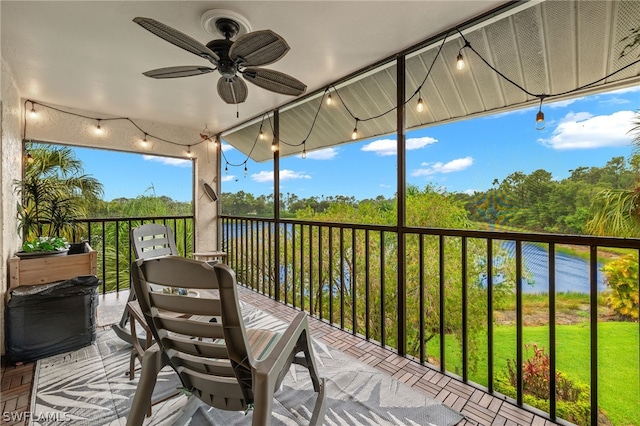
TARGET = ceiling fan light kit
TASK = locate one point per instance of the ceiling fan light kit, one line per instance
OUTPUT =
(244, 56)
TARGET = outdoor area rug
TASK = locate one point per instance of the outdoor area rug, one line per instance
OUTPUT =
(89, 387)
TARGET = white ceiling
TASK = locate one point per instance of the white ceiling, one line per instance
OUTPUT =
(89, 55)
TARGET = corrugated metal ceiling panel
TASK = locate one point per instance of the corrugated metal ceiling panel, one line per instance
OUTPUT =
(549, 48)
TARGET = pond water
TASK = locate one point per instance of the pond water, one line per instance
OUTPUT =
(572, 272)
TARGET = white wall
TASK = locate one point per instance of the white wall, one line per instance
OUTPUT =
(10, 170)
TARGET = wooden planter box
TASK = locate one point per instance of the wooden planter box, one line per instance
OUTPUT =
(45, 270)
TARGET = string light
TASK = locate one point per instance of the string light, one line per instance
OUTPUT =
(329, 101)
(261, 136)
(189, 154)
(99, 130)
(226, 168)
(144, 141)
(304, 150)
(33, 113)
(420, 105)
(540, 116)
(274, 146)
(30, 158)
(354, 134)
(246, 170)
(460, 61)
(460, 58)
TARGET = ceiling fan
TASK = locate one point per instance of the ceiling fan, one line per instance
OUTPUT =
(230, 58)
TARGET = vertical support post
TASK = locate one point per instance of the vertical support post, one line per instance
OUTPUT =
(218, 150)
(276, 201)
(401, 194)
(593, 281)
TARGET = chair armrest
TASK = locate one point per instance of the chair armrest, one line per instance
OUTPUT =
(283, 351)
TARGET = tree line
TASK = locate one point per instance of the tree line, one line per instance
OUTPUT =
(534, 202)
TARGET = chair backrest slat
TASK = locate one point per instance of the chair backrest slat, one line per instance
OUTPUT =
(196, 306)
(190, 328)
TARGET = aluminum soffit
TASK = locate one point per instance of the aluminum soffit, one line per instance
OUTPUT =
(548, 48)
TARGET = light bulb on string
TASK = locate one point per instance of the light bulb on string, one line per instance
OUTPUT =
(304, 151)
(274, 146)
(420, 105)
(226, 168)
(189, 154)
(30, 158)
(460, 61)
(354, 134)
(261, 135)
(99, 130)
(540, 116)
(246, 171)
(144, 141)
(329, 101)
(33, 113)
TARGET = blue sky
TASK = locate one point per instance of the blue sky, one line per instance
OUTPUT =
(459, 157)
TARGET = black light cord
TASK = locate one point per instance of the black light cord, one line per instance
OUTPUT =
(467, 44)
(100, 119)
(541, 96)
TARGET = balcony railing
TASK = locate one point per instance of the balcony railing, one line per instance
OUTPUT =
(459, 301)
(110, 238)
(439, 297)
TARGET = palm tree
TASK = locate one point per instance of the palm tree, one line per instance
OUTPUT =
(616, 212)
(55, 191)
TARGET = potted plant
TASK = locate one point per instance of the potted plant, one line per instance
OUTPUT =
(54, 193)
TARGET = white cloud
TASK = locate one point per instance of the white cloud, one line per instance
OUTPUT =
(284, 175)
(226, 147)
(228, 178)
(576, 116)
(584, 131)
(385, 147)
(322, 154)
(470, 191)
(625, 90)
(168, 161)
(452, 166)
(562, 104)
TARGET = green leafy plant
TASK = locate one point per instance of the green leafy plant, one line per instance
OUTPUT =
(44, 244)
(572, 398)
(54, 192)
(622, 280)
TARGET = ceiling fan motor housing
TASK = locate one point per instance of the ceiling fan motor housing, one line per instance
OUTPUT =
(226, 66)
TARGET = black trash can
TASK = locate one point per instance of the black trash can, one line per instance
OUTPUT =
(50, 319)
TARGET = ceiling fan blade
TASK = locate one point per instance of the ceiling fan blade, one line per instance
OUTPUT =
(174, 72)
(258, 48)
(274, 81)
(177, 38)
(232, 91)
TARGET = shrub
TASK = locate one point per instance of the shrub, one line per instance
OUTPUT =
(622, 280)
(572, 399)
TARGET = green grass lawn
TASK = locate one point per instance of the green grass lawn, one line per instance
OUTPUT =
(618, 360)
